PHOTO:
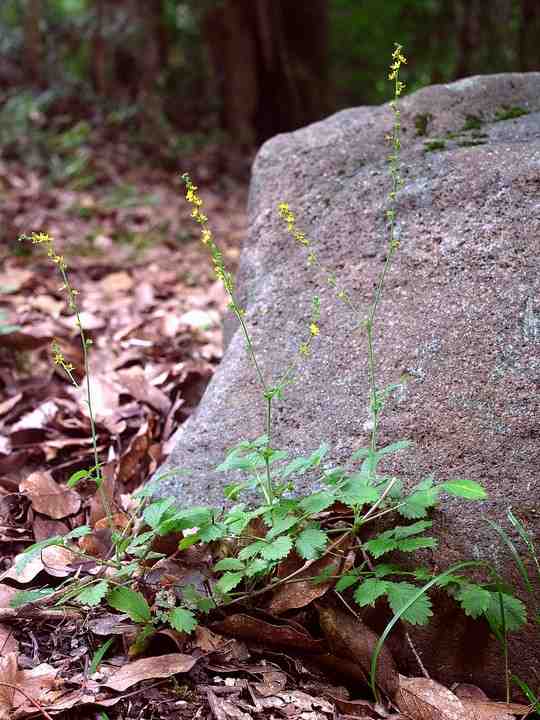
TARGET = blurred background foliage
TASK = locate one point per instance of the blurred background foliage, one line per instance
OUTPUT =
(178, 74)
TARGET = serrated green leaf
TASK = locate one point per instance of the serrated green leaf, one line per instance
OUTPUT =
(229, 581)
(281, 525)
(277, 549)
(468, 489)
(370, 590)
(99, 655)
(403, 531)
(184, 520)
(474, 600)
(346, 581)
(78, 532)
(380, 545)
(416, 543)
(310, 543)
(229, 563)
(182, 620)
(356, 493)
(130, 602)
(153, 514)
(384, 569)
(254, 548)
(316, 503)
(515, 612)
(141, 539)
(192, 596)
(301, 464)
(417, 504)
(257, 566)
(210, 533)
(93, 594)
(400, 593)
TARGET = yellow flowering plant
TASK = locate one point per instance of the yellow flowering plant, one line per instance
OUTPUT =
(335, 522)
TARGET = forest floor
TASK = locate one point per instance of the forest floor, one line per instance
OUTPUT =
(153, 309)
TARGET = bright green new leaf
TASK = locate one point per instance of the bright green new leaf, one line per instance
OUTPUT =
(130, 602)
(310, 543)
(400, 593)
(77, 477)
(468, 489)
(370, 590)
(182, 620)
(93, 594)
(277, 549)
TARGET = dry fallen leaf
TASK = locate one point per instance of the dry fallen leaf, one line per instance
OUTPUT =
(8, 642)
(48, 497)
(163, 666)
(7, 593)
(351, 639)
(425, 699)
(8, 674)
(263, 633)
(489, 710)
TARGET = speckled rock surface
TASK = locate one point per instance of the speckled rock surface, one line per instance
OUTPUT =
(460, 319)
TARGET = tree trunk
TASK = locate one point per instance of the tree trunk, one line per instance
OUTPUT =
(33, 42)
(270, 60)
(529, 31)
(99, 69)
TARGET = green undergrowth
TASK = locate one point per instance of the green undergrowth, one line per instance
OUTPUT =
(364, 534)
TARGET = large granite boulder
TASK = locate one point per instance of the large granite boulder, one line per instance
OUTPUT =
(459, 323)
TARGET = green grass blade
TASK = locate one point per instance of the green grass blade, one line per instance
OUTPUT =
(397, 616)
(99, 655)
(529, 694)
(517, 558)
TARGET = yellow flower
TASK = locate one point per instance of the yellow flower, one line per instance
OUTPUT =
(314, 329)
(206, 236)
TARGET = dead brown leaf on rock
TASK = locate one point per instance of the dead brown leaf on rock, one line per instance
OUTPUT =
(48, 497)
(285, 636)
(163, 666)
(349, 638)
(299, 594)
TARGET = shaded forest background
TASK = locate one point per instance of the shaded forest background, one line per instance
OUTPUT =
(176, 75)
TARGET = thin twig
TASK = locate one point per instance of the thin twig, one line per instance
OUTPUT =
(417, 657)
(34, 613)
(28, 697)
